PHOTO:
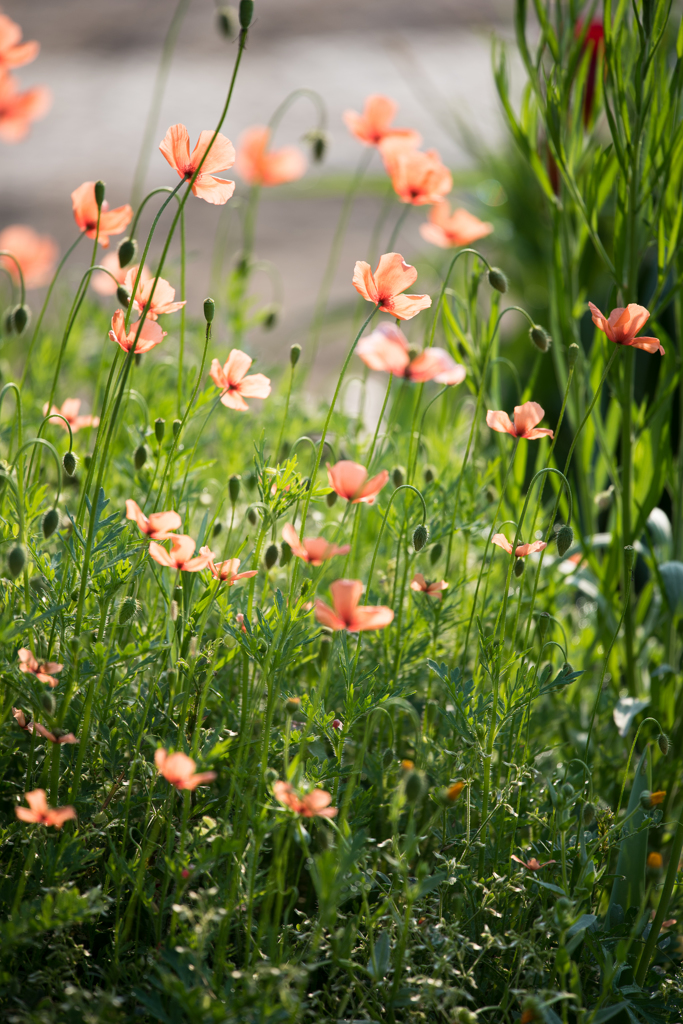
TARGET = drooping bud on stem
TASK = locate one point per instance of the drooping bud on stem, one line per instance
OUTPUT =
(519, 567)
(540, 338)
(319, 142)
(420, 537)
(271, 555)
(128, 610)
(69, 461)
(663, 742)
(127, 250)
(140, 456)
(435, 553)
(50, 522)
(21, 318)
(498, 280)
(398, 475)
(543, 623)
(123, 295)
(16, 560)
(565, 539)
(177, 424)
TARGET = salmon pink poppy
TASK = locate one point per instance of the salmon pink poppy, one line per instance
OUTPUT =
(112, 222)
(36, 255)
(347, 613)
(522, 550)
(532, 864)
(260, 166)
(14, 53)
(151, 334)
(179, 770)
(234, 383)
(180, 555)
(175, 146)
(28, 726)
(526, 418)
(623, 325)
(103, 284)
(314, 550)
(161, 300)
(226, 571)
(70, 412)
(39, 812)
(421, 585)
(315, 804)
(452, 230)
(43, 670)
(19, 109)
(387, 349)
(350, 480)
(418, 177)
(157, 526)
(374, 124)
(393, 276)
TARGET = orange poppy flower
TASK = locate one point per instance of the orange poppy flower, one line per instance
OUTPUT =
(234, 383)
(501, 541)
(180, 555)
(175, 146)
(526, 418)
(314, 550)
(420, 584)
(19, 109)
(623, 325)
(157, 526)
(454, 791)
(418, 177)
(350, 480)
(36, 254)
(38, 811)
(151, 334)
(112, 222)
(69, 411)
(655, 861)
(103, 284)
(348, 613)
(162, 299)
(374, 124)
(387, 349)
(179, 770)
(393, 276)
(452, 230)
(14, 53)
(226, 571)
(308, 805)
(42, 670)
(260, 166)
(29, 726)
(532, 864)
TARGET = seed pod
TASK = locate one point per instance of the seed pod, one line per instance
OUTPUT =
(16, 560)
(228, 22)
(159, 429)
(285, 553)
(252, 517)
(480, 730)
(565, 539)
(271, 556)
(292, 706)
(663, 742)
(246, 13)
(217, 527)
(100, 818)
(398, 475)
(294, 354)
(123, 295)
(573, 353)
(50, 522)
(429, 474)
(388, 757)
(498, 280)
(69, 461)
(209, 310)
(414, 786)
(234, 487)
(100, 188)
(49, 703)
(540, 338)
(177, 424)
(140, 456)
(420, 537)
(127, 251)
(331, 498)
(21, 317)
(519, 567)
(251, 480)
(128, 610)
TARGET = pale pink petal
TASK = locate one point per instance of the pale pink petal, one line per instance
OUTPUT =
(500, 421)
(364, 282)
(216, 374)
(600, 320)
(405, 307)
(370, 617)
(435, 235)
(327, 617)
(213, 190)
(538, 432)
(291, 537)
(418, 582)
(200, 779)
(436, 364)
(56, 816)
(529, 549)
(23, 814)
(136, 515)
(393, 275)
(371, 488)
(160, 555)
(175, 146)
(256, 385)
(37, 801)
(233, 400)
(236, 367)
(160, 756)
(345, 597)
(526, 417)
(163, 522)
(347, 478)
(220, 156)
(386, 349)
(283, 165)
(650, 345)
(501, 541)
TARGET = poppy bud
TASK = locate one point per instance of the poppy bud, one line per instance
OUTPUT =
(565, 539)
(246, 13)
(435, 553)
(388, 757)
(498, 280)
(87, 460)
(228, 22)
(543, 623)
(646, 800)
(140, 456)
(420, 537)
(49, 703)
(324, 649)
(629, 554)
(285, 553)
(16, 560)
(663, 742)
(100, 818)
(69, 461)
(398, 474)
(21, 317)
(480, 730)
(414, 786)
(217, 528)
(123, 295)
(429, 474)
(540, 338)
(318, 141)
(573, 353)
(603, 499)
(127, 251)
(128, 610)
(269, 318)
(337, 724)
(234, 487)
(209, 310)
(331, 498)
(159, 429)
(271, 555)
(294, 354)
(50, 522)
(519, 567)
(251, 480)
(292, 706)
(177, 424)
(99, 193)
(464, 1016)
(568, 791)
(252, 517)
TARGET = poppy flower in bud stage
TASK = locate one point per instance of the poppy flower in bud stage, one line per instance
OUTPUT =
(39, 812)
(43, 670)
(421, 585)
(19, 109)
(226, 571)
(14, 53)
(103, 284)
(348, 613)
(70, 412)
(160, 302)
(525, 419)
(36, 254)
(157, 526)
(452, 230)
(175, 146)
(151, 334)
(315, 804)
(234, 383)
(314, 550)
(387, 349)
(29, 726)
(393, 276)
(522, 550)
(180, 555)
(374, 124)
(259, 165)
(532, 864)
(350, 480)
(623, 324)
(179, 770)
(112, 222)
(418, 177)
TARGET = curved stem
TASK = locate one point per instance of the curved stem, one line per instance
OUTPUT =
(381, 529)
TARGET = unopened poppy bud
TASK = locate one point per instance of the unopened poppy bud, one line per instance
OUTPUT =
(228, 21)
(588, 814)
(464, 1016)
(420, 537)
(128, 610)
(177, 424)
(209, 310)
(429, 474)
(217, 528)
(269, 318)
(331, 498)
(480, 730)
(498, 280)
(252, 517)
(629, 554)
(87, 459)
(540, 338)
(565, 539)
(100, 188)
(567, 668)
(21, 317)
(337, 724)
(292, 705)
(251, 480)
(234, 487)
(100, 818)
(519, 567)
(543, 623)
(285, 553)
(140, 456)
(271, 555)
(435, 553)
(414, 786)
(49, 703)
(603, 499)
(123, 295)
(567, 791)
(294, 354)
(318, 141)
(159, 429)
(646, 800)
(50, 522)
(69, 461)
(663, 743)
(573, 353)
(16, 560)
(127, 251)
(398, 475)
(324, 649)
(388, 757)
(246, 13)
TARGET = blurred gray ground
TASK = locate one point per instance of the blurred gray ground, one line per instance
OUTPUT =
(99, 58)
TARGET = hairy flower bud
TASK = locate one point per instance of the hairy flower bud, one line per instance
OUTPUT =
(16, 560)
(177, 424)
(100, 189)
(324, 649)
(140, 456)
(123, 295)
(388, 757)
(429, 474)
(294, 354)
(414, 786)
(127, 250)
(398, 475)
(420, 537)
(69, 461)
(543, 623)
(588, 814)
(209, 310)
(337, 725)
(498, 280)
(519, 567)
(246, 13)
(646, 800)
(252, 517)
(292, 705)
(128, 610)
(234, 487)
(159, 429)
(285, 553)
(565, 539)
(269, 317)
(540, 338)
(573, 353)
(663, 742)
(217, 528)
(21, 318)
(435, 553)
(271, 555)
(50, 522)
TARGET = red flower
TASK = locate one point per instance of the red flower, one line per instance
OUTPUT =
(350, 480)
(19, 109)
(420, 584)
(260, 166)
(452, 230)
(180, 555)
(159, 524)
(226, 571)
(522, 550)
(36, 254)
(387, 349)
(14, 53)
(151, 334)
